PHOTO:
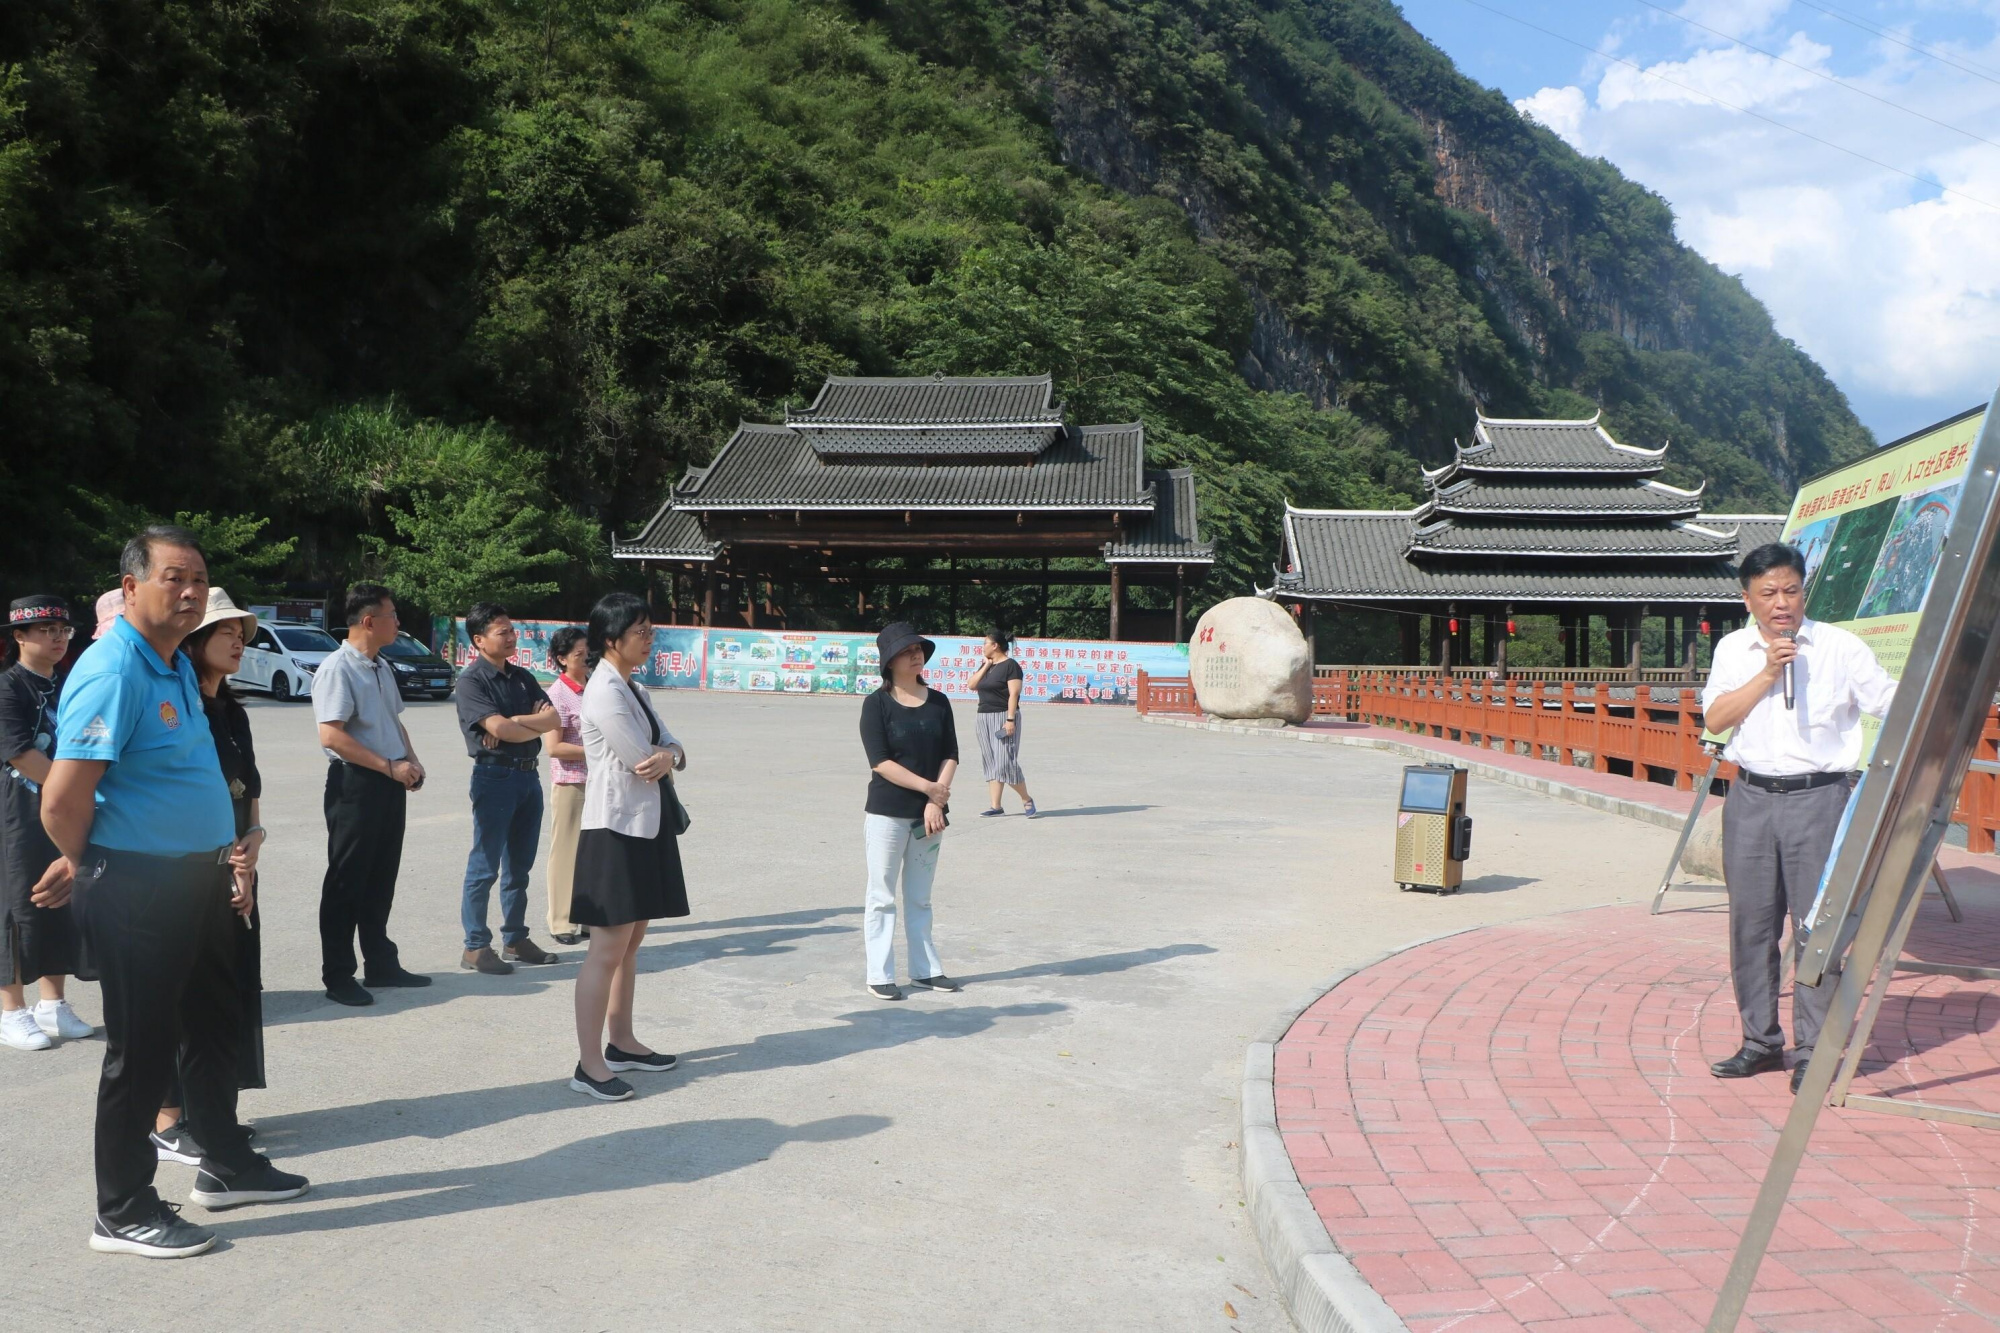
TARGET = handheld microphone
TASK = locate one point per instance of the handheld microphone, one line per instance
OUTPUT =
(1790, 698)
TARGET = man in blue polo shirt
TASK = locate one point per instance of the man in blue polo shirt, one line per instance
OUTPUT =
(136, 803)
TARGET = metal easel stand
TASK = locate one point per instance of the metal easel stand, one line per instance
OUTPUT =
(1864, 1027)
(1892, 832)
(1687, 832)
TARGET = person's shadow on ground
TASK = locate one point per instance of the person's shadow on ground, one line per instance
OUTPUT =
(301, 1006)
(622, 1160)
(449, 1113)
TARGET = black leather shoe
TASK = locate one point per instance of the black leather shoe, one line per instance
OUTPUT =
(348, 991)
(402, 976)
(1798, 1077)
(1746, 1062)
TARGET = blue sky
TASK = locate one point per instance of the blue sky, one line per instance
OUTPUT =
(1893, 284)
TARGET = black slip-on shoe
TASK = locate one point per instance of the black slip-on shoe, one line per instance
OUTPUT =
(653, 1062)
(164, 1236)
(566, 939)
(348, 991)
(402, 976)
(217, 1187)
(1746, 1062)
(612, 1089)
(940, 982)
(888, 992)
(1798, 1077)
(177, 1145)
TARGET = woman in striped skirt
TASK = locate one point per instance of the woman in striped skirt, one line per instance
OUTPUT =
(998, 681)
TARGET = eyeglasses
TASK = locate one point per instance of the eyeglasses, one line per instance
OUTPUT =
(55, 631)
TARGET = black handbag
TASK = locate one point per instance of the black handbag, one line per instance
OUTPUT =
(670, 800)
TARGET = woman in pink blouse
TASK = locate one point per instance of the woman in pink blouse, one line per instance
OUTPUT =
(568, 654)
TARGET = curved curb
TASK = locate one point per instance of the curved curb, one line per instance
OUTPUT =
(1562, 791)
(1321, 1289)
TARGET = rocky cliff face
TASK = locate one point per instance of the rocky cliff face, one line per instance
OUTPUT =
(1412, 250)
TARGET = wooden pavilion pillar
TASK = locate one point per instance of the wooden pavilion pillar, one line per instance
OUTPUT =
(1042, 631)
(1637, 642)
(1408, 632)
(1117, 597)
(1180, 603)
(1436, 628)
(1583, 629)
(1309, 627)
(708, 595)
(1614, 635)
(1567, 619)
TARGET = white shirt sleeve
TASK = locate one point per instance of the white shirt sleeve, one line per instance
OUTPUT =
(1872, 688)
(1732, 669)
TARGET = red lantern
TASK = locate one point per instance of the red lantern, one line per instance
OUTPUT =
(1454, 624)
(1704, 627)
(1510, 629)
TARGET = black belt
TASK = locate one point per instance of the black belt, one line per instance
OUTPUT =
(1796, 782)
(527, 765)
(218, 857)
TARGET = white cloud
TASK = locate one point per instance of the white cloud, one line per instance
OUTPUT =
(1561, 109)
(1891, 284)
(1738, 18)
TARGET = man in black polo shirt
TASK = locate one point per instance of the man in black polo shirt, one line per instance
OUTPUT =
(503, 714)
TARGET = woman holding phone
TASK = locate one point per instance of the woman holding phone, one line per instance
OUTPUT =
(912, 746)
(628, 859)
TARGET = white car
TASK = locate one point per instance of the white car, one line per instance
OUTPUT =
(281, 658)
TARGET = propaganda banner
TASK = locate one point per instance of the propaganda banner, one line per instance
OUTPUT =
(824, 662)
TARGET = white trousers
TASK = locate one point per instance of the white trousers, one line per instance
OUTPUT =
(896, 852)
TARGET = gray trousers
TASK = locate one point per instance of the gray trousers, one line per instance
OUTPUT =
(1774, 848)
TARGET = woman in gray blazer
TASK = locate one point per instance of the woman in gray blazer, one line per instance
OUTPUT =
(628, 860)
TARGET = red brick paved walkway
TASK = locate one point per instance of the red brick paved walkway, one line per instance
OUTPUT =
(1516, 1128)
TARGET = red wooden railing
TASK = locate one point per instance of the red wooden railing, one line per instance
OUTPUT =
(1651, 730)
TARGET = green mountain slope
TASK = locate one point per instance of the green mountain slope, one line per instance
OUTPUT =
(451, 289)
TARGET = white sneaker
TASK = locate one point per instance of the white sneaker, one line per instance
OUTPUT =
(56, 1018)
(19, 1030)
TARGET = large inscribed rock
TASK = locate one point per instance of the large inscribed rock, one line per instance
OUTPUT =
(1248, 660)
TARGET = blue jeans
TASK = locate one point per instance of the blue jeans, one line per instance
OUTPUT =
(506, 825)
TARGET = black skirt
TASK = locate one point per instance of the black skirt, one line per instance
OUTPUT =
(35, 942)
(621, 879)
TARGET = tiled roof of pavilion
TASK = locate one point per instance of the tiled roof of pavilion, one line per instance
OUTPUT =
(1529, 511)
(935, 444)
(1363, 556)
(930, 418)
(1169, 534)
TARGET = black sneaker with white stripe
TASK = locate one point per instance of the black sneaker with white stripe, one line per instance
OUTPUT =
(177, 1145)
(163, 1237)
(217, 1186)
(653, 1062)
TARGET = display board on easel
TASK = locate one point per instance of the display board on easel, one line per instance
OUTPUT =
(1870, 533)
(1949, 665)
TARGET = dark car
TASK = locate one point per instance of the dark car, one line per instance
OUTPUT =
(420, 673)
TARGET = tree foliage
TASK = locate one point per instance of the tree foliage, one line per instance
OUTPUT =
(449, 291)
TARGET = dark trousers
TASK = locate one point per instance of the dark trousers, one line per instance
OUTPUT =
(162, 935)
(364, 852)
(506, 826)
(1775, 847)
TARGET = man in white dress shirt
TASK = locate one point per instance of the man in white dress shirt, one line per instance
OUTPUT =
(1796, 766)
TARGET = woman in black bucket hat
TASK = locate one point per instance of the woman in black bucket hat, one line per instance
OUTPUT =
(38, 936)
(912, 746)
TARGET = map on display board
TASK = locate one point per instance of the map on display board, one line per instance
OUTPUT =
(1871, 533)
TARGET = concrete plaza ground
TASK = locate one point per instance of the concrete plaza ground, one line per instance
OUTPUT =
(1053, 1148)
